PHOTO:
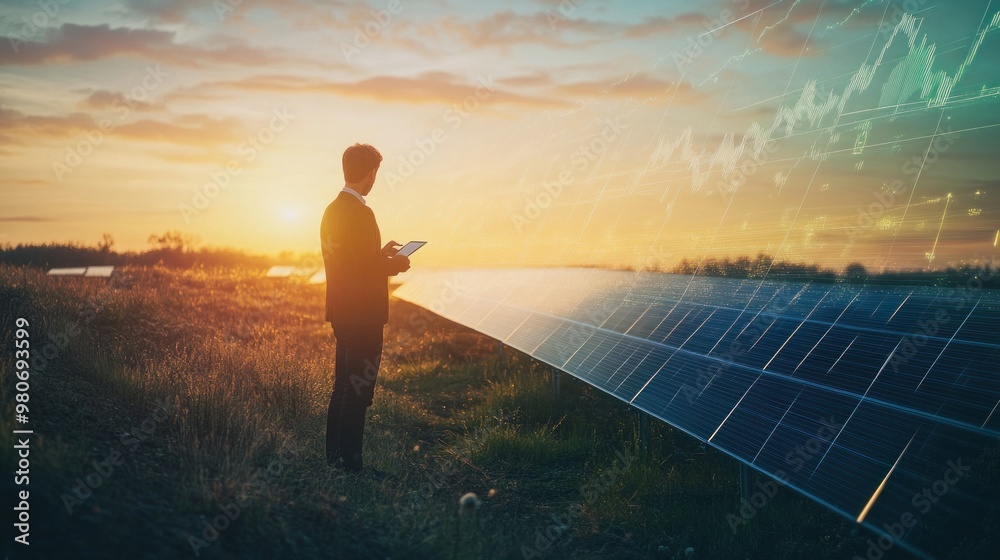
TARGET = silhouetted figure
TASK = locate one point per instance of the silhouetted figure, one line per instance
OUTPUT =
(357, 302)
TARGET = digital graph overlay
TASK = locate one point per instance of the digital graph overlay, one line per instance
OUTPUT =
(857, 397)
(868, 145)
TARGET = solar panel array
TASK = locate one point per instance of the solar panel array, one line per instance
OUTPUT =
(857, 397)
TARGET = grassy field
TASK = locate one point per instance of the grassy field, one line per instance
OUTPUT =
(181, 414)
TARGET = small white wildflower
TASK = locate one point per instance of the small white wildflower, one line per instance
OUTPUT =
(469, 501)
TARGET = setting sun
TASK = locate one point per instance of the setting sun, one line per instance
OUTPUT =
(290, 214)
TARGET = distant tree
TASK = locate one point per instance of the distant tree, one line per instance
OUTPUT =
(761, 265)
(173, 240)
(855, 272)
(106, 243)
(972, 276)
(686, 266)
(173, 248)
(742, 264)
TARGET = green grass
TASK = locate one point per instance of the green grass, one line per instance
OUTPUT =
(244, 367)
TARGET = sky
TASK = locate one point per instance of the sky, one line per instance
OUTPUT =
(544, 133)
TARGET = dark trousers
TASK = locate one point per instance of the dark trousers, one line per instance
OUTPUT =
(359, 353)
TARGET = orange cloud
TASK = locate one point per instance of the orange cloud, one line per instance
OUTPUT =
(538, 78)
(188, 130)
(15, 126)
(430, 87)
(19, 129)
(507, 28)
(636, 85)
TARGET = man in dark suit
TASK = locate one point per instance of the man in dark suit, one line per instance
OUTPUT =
(357, 302)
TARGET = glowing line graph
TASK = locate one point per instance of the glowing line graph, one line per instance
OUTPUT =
(931, 255)
(913, 74)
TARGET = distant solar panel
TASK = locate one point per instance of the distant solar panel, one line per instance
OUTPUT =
(78, 271)
(99, 271)
(318, 278)
(290, 271)
(84, 271)
(857, 397)
(279, 272)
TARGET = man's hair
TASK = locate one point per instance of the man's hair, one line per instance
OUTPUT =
(359, 160)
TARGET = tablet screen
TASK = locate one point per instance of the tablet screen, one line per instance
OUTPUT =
(410, 248)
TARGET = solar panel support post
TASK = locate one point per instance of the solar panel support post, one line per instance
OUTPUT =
(555, 382)
(645, 442)
(746, 482)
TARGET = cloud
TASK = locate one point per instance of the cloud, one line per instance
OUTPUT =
(550, 28)
(774, 26)
(787, 41)
(25, 219)
(660, 25)
(187, 130)
(636, 85)
(508, 28)
(168, 11)
(303, 14)
(200, 131)
(30, 182)
(429, 87)
(103, 99)
(15, 126)
(82, 43)
(538, 78)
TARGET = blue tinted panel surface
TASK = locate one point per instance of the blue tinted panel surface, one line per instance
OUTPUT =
(856, 397)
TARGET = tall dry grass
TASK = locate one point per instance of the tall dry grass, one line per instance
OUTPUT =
(243, 365)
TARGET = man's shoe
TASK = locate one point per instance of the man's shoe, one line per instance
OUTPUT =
(340, 464)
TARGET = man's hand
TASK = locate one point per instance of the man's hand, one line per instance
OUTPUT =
(401, 262)
(390, 249)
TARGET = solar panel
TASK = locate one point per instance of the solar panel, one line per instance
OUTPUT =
(857, 397)
(78, 271)
(99, 271)
(84, 271)
(290, 271)
(318, 278)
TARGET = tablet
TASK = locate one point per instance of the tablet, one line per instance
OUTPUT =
(410, 248)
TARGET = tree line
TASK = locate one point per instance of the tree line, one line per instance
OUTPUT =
(764, 265)
(171, 249)
(176, 249)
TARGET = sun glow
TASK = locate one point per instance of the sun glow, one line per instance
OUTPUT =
(290, 213)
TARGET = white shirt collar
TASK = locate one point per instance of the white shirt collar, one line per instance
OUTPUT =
(355, 194)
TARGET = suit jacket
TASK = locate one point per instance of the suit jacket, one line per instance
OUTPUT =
(357, 275)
